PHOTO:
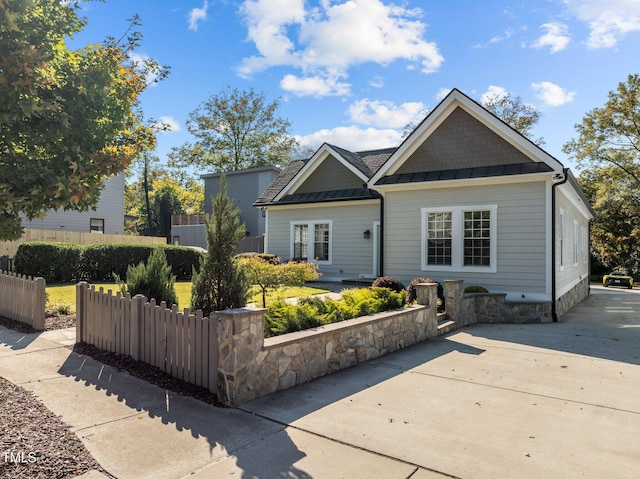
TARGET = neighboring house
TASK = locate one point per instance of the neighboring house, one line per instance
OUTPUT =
(464, 197)
(108, 216)
(243, 187)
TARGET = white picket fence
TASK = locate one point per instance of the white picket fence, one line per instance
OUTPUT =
(23, 298)
(183, 345)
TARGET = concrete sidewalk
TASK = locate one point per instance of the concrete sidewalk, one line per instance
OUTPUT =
(489, 401)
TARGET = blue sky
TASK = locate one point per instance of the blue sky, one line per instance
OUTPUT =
(354, 73)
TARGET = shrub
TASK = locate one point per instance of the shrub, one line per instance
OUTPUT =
(389, 283)
(221, 282)
(100, 262)
(313, 311)
(268, 275)
(55, 262)
(285, 318)
(153, 279)
(411, 289)
(475, 289)
(269, 258)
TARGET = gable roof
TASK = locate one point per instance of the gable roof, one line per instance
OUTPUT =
(380, 167)
(456, 99)
(362, 164)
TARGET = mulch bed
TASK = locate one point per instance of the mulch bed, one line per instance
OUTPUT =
(35, 443)
(27, 426)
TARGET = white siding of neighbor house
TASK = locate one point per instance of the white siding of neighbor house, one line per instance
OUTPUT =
(110, 208)
(351, 254)
(521, 236)
(570, 274)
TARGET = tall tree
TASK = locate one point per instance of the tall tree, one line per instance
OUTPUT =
(520, 116)
(236, 129)
(608, 147)
(610, 136)
(68, 118)
(221, 282)
(615, 233)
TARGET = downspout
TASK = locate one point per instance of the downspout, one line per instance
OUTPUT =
(377, 195)
(554, 314)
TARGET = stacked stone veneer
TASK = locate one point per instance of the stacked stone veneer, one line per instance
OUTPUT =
(572, 297)
(250, 366)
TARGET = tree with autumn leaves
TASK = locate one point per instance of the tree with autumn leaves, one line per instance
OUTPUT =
(608, 148)
(68, 118)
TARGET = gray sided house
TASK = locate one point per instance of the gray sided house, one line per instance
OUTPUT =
(243, 187)
(107, 218)
(464, 197)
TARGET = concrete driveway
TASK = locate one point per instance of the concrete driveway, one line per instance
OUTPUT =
(558, 400)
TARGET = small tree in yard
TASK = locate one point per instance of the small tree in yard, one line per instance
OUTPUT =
(153, 279)
(221, 282)
(267, 275)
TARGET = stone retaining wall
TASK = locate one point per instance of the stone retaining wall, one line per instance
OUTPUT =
(250, 366)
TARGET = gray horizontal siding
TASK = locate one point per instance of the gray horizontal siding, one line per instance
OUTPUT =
(521, 234)
(351, 255)
(110, 208)
(570, 274)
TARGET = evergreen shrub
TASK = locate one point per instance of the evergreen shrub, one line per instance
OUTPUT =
(152, 279)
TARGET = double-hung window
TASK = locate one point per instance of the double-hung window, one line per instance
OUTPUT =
(311, 241)
(460, 238)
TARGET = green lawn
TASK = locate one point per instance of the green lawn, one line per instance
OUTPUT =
(66, 293)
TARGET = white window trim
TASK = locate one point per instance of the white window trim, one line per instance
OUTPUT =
(576, 255)
(561, 246)
(311, 224)
(457, 239)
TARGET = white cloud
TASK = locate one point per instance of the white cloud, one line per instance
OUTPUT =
(197, 15)
(442, 92)
(497, 39)
(608, 20)
(353, 138)
(385, 114)
(557, 37)
(169, 123)
(314, 86)
(552, 94)
(329, 39)
(377, 82)
(493, 92)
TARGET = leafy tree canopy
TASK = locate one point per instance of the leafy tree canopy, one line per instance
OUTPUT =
(610, 136)
(615, 233)
(68, 118)
(520, 116)
(236, 129)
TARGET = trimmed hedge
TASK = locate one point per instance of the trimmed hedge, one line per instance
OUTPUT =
(65, 263)
(56, 262)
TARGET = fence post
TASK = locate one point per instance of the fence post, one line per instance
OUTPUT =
(39, 304)
(81, 311)
(137, 310)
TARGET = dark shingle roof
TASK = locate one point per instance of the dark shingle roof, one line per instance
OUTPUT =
(367, 162)
(280, 182)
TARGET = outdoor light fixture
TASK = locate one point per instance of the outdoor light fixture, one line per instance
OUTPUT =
(367, 234)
